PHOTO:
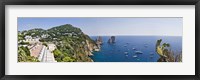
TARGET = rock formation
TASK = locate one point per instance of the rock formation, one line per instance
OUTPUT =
(99, 40)
(112, 39)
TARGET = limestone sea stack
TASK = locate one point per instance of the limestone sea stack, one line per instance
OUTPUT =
(99, 40)
(111, 39)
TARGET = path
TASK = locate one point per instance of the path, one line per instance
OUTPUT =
(46, 55)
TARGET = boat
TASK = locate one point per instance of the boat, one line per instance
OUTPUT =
(138, 52)
(133, 48)
(125, 52)
(135, 56)
(145, 45)
(151, 56)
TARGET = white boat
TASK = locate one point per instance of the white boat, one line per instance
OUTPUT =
(125, 52)
(138, 52)
(145, 46)
(133, 48)
(135, 56)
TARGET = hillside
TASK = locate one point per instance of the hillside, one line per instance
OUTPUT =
(72, 44)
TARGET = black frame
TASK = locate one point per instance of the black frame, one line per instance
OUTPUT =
(99, 2)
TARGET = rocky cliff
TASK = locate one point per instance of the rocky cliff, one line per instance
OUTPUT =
(99, 42)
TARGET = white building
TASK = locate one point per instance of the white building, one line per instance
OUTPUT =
(31, 40)
(51, 47)
(44, 35)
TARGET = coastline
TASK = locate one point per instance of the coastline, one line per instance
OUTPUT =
(110, 52)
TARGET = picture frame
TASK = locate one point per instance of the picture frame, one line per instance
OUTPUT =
(3, 76)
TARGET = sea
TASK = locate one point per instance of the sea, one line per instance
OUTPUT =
(126, 48)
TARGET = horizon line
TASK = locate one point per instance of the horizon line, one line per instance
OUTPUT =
(138, 35)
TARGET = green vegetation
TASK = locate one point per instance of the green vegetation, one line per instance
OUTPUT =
(23, 43)
(37, 32)
(166, 54)
(62, 57)
(20, 36)
(24, 55)
(72, 44)
(45, 44)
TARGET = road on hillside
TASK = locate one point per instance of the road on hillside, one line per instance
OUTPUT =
(47, 56)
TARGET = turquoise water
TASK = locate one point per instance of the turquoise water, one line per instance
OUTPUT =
(126, 47)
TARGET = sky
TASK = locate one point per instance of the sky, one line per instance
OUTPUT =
(107, 26)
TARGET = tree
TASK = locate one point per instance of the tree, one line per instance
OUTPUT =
(166, 54)
(67, 59)
(24, 55)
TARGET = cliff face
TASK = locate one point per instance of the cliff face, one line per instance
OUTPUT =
(91, 47)
(99, 42)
